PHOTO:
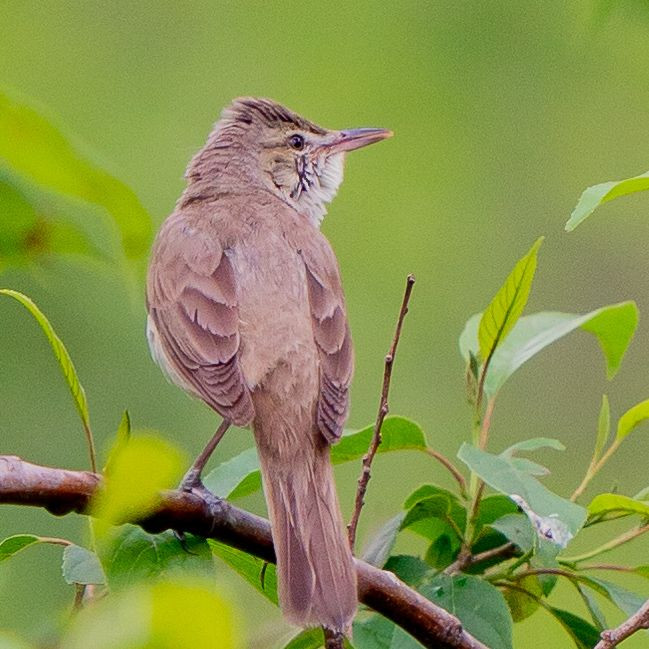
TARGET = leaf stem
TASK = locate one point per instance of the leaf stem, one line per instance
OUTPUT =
(593, 469)
(453, 470)
(608, 546)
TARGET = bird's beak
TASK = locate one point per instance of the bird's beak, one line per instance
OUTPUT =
(355, 138)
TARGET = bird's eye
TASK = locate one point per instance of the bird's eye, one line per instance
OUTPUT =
(296, 142)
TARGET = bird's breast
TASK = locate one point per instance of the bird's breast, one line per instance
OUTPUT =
(274, 319)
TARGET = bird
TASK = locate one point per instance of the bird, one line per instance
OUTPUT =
(246, 311)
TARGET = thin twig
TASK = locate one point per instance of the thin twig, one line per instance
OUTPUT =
(383, 411)
(608, 546)
(506, 550)
(637, 621)
(453, 470)
(62, 491)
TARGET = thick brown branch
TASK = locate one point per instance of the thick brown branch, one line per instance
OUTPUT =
(61, 492)
(380, 417)
(613, 637)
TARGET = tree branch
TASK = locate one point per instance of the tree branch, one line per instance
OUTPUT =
(61, 492)
(613, 637)
(380, 417)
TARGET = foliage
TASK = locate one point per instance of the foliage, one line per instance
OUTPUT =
(494, 551)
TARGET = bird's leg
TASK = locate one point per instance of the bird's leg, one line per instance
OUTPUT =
(192, 482)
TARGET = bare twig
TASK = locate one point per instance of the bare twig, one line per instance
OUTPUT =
(62, 491)
(453, 470)
(383, 411)
(463, 562)
(609, 545)
(613, 637)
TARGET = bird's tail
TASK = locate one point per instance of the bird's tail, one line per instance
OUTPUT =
(315, 568)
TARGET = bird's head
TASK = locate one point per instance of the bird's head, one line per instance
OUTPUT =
(299, 161)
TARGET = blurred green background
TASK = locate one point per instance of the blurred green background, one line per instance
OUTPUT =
(503, 112)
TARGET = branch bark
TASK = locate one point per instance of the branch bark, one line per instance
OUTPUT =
(613, 637)
(62, 491)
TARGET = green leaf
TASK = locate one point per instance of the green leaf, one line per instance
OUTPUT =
(632, 418)
(139, 470)
(499, 473)
(439, 506)
(533, 444)
(612, 325)
(492, 508)
(14, 544)
(596, 614)
(583, 634)
(179, 614)
(609, 505)
(596, 195)
(629, 603)
(445, 547)
(80, 566)
(506, 307)
(517, 529)
(397, 433)
(409, 569)
(307, 639)
(379, 548)
(61, 353)
(259, 574)
(236, 477)
(35, 150)
(480, 607)
(134, 555)
(521, 605)
(603, 427)
(377, 632)
(240, 476)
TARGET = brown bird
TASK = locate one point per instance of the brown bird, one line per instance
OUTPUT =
(246, 312)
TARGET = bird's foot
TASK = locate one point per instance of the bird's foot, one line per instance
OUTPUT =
(192, 483)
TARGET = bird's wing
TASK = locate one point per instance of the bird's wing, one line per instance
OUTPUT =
(192, 301)
(332, 337)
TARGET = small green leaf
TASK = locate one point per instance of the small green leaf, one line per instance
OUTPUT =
(398, 434)
(80, 566)
(377, 632)
(596, 614)
(13, 544)
(520, 604)
(597, 195)
(439, 506)
(236, 477)
(612, 325)
(379, 548)
(629, 603)
(139, 470)
(259, 574)
(307, 639)
(61, 353)
(35, 150)
(533, 445)
(492, 508)
(609, 505)
(480, 607)
(583, 634)
(603, 427)
(506, 307)
(632, 418)
(517, 529)
(409, 569)
(500, 474)
(134, 555)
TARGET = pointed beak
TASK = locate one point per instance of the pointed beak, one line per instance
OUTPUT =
(356, 138)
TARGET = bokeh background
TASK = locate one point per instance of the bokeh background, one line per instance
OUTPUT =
(503, 111)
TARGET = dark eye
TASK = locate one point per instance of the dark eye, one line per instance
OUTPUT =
(296, 142)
